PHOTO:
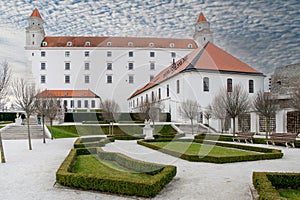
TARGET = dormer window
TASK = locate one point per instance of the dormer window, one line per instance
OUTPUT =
(69, 44)
(108, 44)
(151, 44)
(87, 44)
(190, 46)
(172, 45)
(44, 44)
(130, 44)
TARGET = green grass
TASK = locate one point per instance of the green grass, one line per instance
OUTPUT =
(202, 149)
(290, 194)
(90, 164)
(84, 130)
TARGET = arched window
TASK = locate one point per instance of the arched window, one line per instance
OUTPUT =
(251, 86)
(206, 84)
(229, 85)
(69, 44)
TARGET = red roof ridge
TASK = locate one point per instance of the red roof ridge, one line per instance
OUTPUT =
(201, 18)
(69, 93)
(36, 13)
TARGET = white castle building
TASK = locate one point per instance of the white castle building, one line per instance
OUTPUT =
(110, 67)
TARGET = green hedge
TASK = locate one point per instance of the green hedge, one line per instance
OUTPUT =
(92, 142)
(230, 139)
(267, 183)
(8, 116)
(98, 116)
(118, 185)
(266, 153)
(168, 136)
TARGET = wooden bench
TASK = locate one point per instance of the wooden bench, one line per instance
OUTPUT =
(247, 136)
(283, 138)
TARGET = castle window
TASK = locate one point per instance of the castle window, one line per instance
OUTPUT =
(79, 103)
(44, 44)
(229, 85)
(67, 53)
(108, 44)
(159, 94)
(109, 79)
(109, 54)
(72, 103)
(130, 44)
(151, 44)
(152, 66)
(86, 103)
(67, 66)
(86, 79)
(67, 79)
(173, 54)
(109, 66)
(168, 91)
(43, 53)
(172, 45)
(32, 35)
(32, 42)
(177, 86)
(93, 104)
(87, 44)
(130, 66)
(205, 84)
(152, 54)
(151, 77)
(43, 66)
(131, 79)
(190, 46)
(86, 54)
(251, 86)
(43, 79)
(130, 53)
(69, 44)
(86, 66)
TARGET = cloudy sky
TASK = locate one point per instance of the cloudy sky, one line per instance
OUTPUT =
(265, 33)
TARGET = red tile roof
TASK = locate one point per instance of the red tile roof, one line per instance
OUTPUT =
(69, 93)
(139, 42)
(36, 13)
(206, 58)
(201, 18)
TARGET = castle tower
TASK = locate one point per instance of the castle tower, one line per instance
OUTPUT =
(202, 33)
(34, 31)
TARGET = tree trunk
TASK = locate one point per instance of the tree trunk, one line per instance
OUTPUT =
(192, 126)
(29, 137)
(51, 128)
(44, 136)
(2, 150)
(233, 130)
(267, 127)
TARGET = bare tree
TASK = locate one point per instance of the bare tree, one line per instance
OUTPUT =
(236, 103)
(266, 106)
(47, 107)
(208, 114)
(5, 75)
(110, 111)
(190, 109)
(151, 109)
(218, 110)
(25, 94)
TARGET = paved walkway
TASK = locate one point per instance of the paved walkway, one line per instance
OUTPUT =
(31, 174)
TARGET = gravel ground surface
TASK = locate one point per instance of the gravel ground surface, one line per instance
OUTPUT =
(31, 174)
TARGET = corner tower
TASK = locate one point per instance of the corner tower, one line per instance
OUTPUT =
(34, 31)
(202, 33)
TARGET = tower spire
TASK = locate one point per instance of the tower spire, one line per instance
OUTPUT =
(35, 33)
(202, 33)
(36, 13)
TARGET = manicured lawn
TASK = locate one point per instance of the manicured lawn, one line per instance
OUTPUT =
(84, 130)
(202, 149)
(290, 194)
(90, 164)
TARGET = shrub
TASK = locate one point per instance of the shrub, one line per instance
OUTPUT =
(266, 153)
(161, 175)
(266, 183)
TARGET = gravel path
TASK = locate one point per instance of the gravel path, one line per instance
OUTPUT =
(31, 174)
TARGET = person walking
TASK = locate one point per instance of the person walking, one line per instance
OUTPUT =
(23, 117)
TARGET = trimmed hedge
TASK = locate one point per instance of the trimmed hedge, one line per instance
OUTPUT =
(228, 138)
(8, 116)
(266, 153)
(161, 175)
(92, 142)
(267, 183)
(98, 116)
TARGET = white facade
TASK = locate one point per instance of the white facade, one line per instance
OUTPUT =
(112, 69)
